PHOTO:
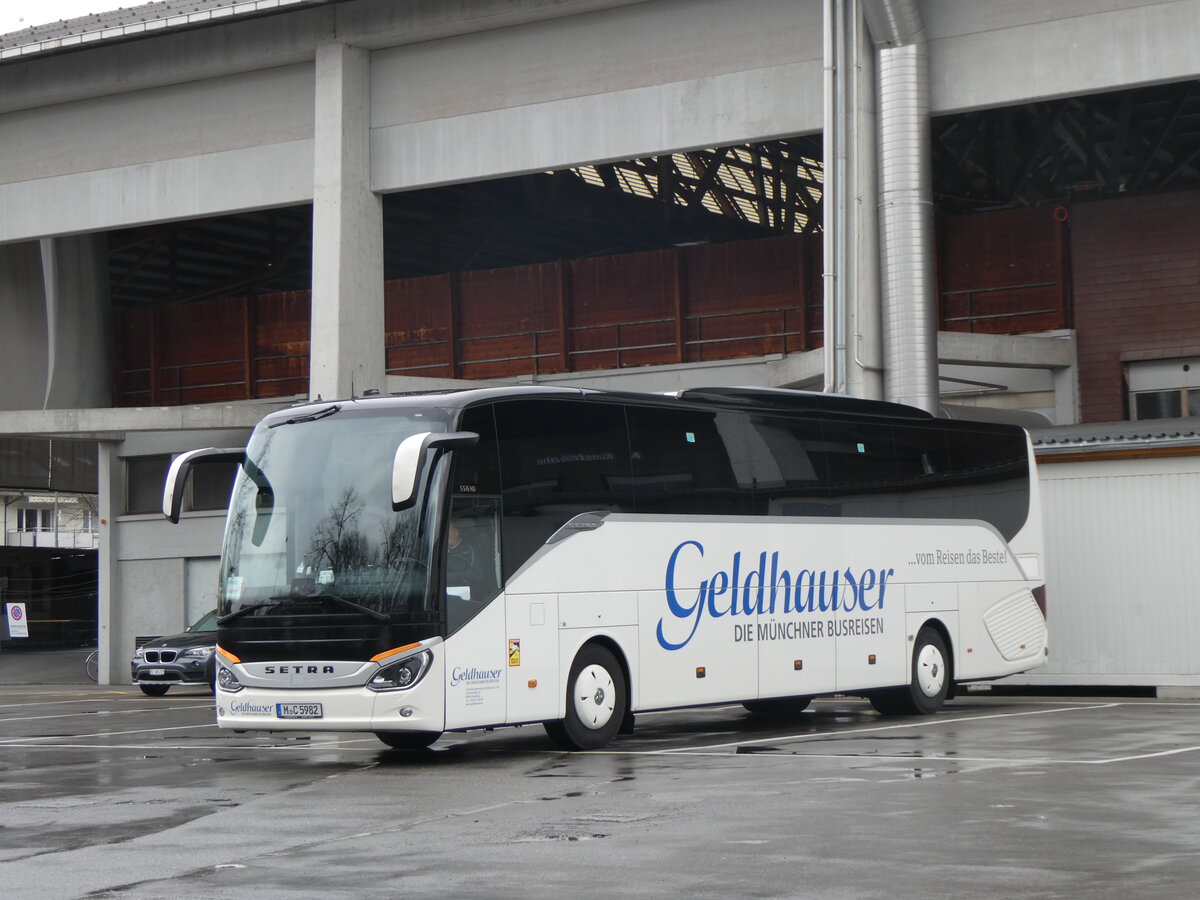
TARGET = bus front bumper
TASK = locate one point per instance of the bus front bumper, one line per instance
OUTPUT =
(420, 708)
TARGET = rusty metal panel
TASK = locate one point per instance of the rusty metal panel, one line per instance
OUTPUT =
(518, 300)
(614, 290)
(418, 321)
(747, 275)
(1003, 272)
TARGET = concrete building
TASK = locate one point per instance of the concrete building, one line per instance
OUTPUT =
(217, 206)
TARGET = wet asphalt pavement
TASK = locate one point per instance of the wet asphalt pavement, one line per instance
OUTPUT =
(107, 793)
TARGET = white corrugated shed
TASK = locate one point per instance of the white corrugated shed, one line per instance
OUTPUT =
(1123, 553)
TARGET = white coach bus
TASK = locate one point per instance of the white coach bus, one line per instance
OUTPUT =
(420, 564)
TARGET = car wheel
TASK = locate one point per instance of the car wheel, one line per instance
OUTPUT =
(154, 690)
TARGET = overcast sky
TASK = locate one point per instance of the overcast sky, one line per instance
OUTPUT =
(18, 14)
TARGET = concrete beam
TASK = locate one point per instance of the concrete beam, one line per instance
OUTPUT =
(1056, 351)
(115, 424)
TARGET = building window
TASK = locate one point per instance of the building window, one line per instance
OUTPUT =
(144, 479)
(1164, 388)
(211, 484)
(31, 519)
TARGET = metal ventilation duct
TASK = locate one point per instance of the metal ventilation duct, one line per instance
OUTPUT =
(905, 203)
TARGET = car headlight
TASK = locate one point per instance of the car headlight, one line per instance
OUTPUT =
(198, 652)
(139, 654)
(227, 681)
(402, 675)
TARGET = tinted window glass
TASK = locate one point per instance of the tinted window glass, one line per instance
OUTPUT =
(471, 563)
(558, 458)
(212, 483)
(787, 464)
(477, 469)
(145, 476)
(680, 461)
(991, 475)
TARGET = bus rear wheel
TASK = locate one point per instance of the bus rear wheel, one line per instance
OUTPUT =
(929, 680)
(408, 740)
(596, 701)
(777, 707)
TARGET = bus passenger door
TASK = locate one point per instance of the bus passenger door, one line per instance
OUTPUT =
(476, 664)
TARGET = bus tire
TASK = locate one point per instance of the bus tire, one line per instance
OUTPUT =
(408, 740)
(929, 680)
(596, 701)
(777, 707)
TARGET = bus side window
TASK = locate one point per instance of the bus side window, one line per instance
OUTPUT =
(558, 458)
(788, 467)
(472, 565)
(680, 462)
(991, 473)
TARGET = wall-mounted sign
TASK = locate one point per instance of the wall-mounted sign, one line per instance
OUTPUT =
(18, 626)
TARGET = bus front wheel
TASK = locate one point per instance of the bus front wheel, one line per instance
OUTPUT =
(596, 701)
(408, 740)
(929, 680)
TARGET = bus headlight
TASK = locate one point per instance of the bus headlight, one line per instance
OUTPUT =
(402, 675)
(227, 681)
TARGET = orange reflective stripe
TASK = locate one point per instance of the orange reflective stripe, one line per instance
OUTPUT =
(378, 657)
(227, 655)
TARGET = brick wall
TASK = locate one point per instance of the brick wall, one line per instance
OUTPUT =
(1136, 275)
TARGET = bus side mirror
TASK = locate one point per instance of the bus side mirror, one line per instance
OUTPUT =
(181, 468)
(410, 461)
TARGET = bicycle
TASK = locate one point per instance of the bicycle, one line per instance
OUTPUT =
(92, 665)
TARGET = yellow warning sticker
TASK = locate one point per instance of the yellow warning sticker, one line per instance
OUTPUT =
(514, 652)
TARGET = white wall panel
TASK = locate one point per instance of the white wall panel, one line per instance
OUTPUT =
(1121, 541)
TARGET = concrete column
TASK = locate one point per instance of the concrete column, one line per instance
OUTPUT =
(346, 354)
(113, 669)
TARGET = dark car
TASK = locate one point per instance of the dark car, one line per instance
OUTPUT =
(177, 658)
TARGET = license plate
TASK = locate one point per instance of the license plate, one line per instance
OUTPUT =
(156, 672)
(298, 710)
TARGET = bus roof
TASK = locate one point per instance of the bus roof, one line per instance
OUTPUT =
(777, 399)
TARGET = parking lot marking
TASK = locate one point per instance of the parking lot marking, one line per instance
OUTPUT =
(932, 721)
(4, 720)
(101, 734)
(107, 697)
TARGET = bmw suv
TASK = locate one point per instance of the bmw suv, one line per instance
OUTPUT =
(185, 658)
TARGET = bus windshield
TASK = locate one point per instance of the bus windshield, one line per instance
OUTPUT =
(311, 519)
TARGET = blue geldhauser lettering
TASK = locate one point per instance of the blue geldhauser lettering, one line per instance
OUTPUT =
(729, 591)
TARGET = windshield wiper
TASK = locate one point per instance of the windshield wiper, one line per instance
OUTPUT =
(311, 417)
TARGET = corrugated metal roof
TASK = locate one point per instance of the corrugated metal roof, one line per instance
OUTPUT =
(135, 21)
(1117, 435)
